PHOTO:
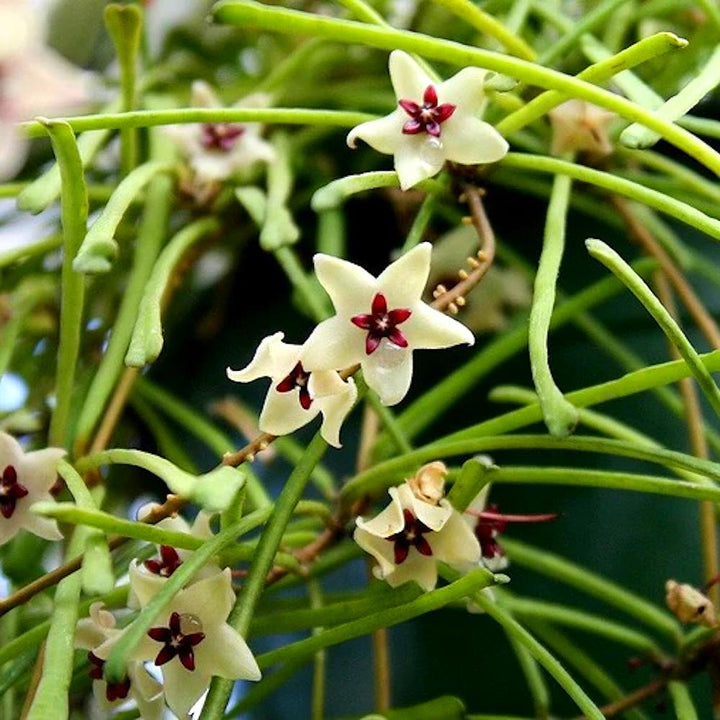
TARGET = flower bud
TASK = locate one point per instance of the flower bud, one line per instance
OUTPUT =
(688, 604)
(428, 484)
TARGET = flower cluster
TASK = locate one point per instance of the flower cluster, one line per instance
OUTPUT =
(378, 322)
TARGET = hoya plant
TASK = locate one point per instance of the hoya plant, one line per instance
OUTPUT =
(233, 481)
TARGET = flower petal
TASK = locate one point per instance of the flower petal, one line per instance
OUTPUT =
(211, 599)
(41, 526)
(327, 382)
(273, 358)
(335, 409)
(224, 653)
(465, 90)
(429, 329)
(183, 688)
(383, 134)
(408, 79)
(381, 549)
(334, 344)
(417, 567)
(403, 281)
(469, 141)
(11, 452)
(388, 371)
(434, 516)
(146, 691)
(418, 157)
(38, 470)
(282, 413)
(456, 543)
(351, 288)
(15, 149)
(386, 523)
(143, 585)
(203, 96)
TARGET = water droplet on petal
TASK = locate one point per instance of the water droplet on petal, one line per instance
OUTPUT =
(190, 624)
(432, 152)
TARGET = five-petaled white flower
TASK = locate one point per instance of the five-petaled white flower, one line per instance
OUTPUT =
(215, 151)
(432, 123)
(410, 536)
(26, 478)
(139, 685)
(34, 80)
(296, 394)
(192, 641)
(379, 321)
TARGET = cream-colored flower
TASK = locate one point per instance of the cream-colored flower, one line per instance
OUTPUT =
(410, 536)
(297, 395)
(433, 122)
(689, 605)
(215, 151)
(139, 685)
(192, 642)
(34, 80)
(579, 125)
(428, 483)
(26, 478)
(379, 322)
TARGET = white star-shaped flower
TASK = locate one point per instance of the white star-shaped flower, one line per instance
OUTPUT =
(410, 536)
(139, 685)
(379, 321)
(34, 80)
(26, 478)
(192, 642)
(215, 151)
(433, 122)
(297, 395)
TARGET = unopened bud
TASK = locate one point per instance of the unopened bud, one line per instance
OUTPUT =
(688, 604)
(428, 484)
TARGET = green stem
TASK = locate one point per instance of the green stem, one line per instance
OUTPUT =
(99, 248)
(74, 222)
(317, 703)
(146, 341)
(252, 14)
(302, 282)
(420, 224)
(560, 416)
(682, 701)
(278, 227)
(608, 257)
(247, 601)
(332, 233)
(533, 677)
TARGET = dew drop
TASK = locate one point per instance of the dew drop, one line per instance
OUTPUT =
(432, 152)
(190, 624)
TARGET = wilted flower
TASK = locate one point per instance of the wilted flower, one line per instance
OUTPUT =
(379, 321)
(34, 80)
(215, 151)
(689, 605)
(410, 536)
(297, 394)
(193, 642)
(433, 122)
(26, 478)
(139, 685)
(580, 125)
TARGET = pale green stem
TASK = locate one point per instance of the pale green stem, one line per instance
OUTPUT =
(517, 16)
(278, 227)
(602, 71)
(244, 609)
(659, 201)
(146, 341)
(472, 479)
(564, 571)
(309, 291)
(97, 572)
(149, 241)
(589, 22)
(254, 14)
(608, 257)
(682, 701)
(99, 248)
(317, 703)
(488, 25)
(183, 116)
(533, 677)
(420, 224)
(22, 252)
(74, 211)
(124, 24)
(331, 233)
(560, 416)
(51, 698)
(707, 79)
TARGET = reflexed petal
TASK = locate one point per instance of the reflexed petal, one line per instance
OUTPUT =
(146, 691)
(417, 567)
(226, 654)
(430, 329)
(93, 631)
(388, 522)
(282, 413)
(434, 516)
(456, 543)
(383, 134)
(468, 141)
(417, 158)
(479, 502)
(465, 90)
(350, 287)
(381, 549)
(404, 280)
(252, 149)
(408, 79)
(335, 409)
(334, 344)
(182, 687)
(203, 96)
(388, 371)
(269, 356)
(38, 470)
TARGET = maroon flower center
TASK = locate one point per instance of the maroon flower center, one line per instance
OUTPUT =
(220, 136)
(381, 323)
(298, 378)
(113, 691)
(410, 536)
(168, 562)
(10, 491)
(426, 117)
(177, 641)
